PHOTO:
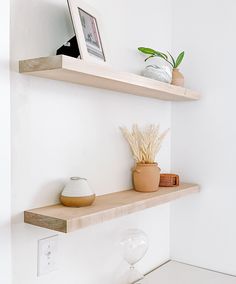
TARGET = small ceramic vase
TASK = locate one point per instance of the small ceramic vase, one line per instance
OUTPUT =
(162, 74)
(177, 78)
(77, 193)
(146, 177)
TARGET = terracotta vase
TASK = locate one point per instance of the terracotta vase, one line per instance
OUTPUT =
(177, 78)
(146, 177)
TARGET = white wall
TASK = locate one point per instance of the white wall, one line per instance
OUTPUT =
(61, 130)
(203, 230)
(5, 211)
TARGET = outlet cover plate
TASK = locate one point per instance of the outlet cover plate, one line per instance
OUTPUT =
(47, 255)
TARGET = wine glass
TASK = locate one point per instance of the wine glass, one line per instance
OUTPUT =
(134, 244)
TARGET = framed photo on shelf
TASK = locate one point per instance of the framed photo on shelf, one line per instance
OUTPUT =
(87, 26)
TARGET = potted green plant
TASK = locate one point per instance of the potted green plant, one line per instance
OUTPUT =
(145, 144)
(177, 76)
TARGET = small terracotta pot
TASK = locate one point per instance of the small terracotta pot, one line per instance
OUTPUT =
(177, 78)
(146, 177)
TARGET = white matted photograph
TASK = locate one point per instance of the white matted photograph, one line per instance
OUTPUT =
(87, 27)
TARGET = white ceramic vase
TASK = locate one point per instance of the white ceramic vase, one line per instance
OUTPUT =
(77, 193)
(162, 74)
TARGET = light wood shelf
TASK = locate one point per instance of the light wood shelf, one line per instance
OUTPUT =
(106, 207)
(65, 68)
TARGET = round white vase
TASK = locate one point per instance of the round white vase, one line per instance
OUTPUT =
(77, 193)
(162, 74)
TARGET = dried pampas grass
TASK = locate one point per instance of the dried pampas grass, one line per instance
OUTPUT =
(144, 144)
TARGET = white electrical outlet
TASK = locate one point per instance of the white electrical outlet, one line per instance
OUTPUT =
(47, 255)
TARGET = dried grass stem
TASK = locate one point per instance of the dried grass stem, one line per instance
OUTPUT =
(144, 144)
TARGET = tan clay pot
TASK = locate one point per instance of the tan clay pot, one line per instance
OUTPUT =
(177, 78)
(146, 177)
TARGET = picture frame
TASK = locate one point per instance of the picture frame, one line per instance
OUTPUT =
(87, 27)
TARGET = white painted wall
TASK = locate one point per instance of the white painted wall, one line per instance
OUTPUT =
(61, 130)
(203, 230)
(5, 208)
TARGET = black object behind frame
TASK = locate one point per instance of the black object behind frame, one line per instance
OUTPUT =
(70, 48)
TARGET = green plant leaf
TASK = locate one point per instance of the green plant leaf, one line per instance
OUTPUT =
(154, 53)
(164, 55)
(172, 58)
(147, 50)
(149, 57)
(179, 59)
(151, 51)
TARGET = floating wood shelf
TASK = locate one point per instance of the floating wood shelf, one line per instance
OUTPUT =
(65, 68)
(106, 207)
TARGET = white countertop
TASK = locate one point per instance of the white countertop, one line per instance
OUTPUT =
(178, 273)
